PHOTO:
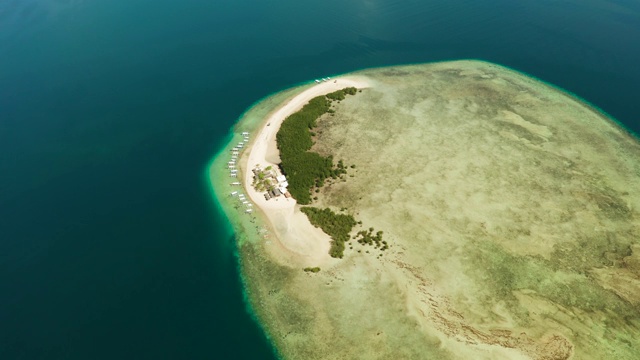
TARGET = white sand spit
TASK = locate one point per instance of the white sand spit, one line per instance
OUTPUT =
(293, 229)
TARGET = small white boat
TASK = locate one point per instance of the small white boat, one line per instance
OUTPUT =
(317, 81)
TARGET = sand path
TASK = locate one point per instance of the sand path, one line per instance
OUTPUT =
(293, 230)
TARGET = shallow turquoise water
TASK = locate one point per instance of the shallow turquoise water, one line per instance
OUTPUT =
(110, 246)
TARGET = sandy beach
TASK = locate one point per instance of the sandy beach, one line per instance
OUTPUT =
(293, 231)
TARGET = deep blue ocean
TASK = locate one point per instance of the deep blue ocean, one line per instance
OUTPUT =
(110, 244)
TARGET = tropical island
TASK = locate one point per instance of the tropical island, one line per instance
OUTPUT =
(474, 212)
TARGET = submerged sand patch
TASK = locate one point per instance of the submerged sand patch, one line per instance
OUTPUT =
(512, 213)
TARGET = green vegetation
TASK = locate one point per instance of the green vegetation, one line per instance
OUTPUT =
(341, 94)
(262, 182)
(335, 225)
(365, 237)
(305, 169)
(312, 269)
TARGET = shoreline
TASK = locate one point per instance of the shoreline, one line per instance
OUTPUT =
(259, 229)
(292, 230)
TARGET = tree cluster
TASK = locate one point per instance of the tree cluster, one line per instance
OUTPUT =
(341, 94)
(365, 237)
(338, 226)
(305, 169)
